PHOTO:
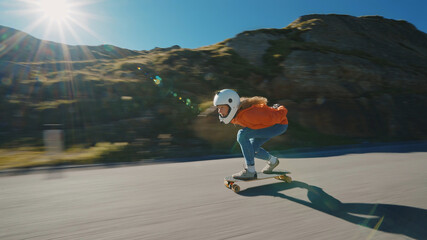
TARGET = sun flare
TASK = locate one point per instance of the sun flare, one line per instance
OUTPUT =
(59, 20)
(66, 22)
(55, 10)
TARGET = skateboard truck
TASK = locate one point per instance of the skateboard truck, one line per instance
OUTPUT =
(230, 182)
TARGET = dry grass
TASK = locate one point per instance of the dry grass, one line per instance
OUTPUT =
(36, 156)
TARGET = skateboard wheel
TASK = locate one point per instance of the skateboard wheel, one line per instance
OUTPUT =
(235, 188)
(287, 179)
(226, 183)
(284, 178)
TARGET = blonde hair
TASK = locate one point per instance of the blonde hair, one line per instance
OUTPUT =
(246, 102)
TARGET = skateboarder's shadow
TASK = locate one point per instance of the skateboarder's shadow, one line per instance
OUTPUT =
(389, 218)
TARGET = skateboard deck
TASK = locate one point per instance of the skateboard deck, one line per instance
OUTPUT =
(230, 182)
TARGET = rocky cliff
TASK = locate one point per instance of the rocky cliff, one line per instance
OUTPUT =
(345, 75)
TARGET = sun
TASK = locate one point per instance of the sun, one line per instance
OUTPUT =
(55, 10)
(67, 22)
(59, 20)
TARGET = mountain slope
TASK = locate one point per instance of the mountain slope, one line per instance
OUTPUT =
(18, 46)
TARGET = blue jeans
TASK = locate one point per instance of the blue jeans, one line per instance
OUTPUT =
(251, 140)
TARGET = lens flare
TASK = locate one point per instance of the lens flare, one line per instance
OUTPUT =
(158, 81)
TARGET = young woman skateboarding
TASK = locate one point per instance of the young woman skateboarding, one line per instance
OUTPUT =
(260, 123)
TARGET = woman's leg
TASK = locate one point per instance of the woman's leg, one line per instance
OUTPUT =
(246, 146)
(250, 141)
(260, 152)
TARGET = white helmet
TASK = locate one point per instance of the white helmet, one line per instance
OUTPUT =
(230, 98)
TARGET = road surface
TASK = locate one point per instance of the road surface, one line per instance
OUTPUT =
(374, 195)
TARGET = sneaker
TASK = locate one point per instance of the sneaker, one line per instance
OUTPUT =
(270, 166)
(245, 175)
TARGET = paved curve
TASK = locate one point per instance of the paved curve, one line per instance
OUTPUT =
(353, 196)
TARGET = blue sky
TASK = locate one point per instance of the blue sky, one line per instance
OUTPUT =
(145, 24)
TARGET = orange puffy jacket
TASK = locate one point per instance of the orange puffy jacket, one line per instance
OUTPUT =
(260, 116)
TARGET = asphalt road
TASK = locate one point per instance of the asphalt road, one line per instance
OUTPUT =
(352, 196)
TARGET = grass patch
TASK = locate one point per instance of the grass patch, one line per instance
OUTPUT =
(280, 49)
(36, 156)
(51, 104)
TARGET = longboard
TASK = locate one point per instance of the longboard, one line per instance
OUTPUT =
(230, 182)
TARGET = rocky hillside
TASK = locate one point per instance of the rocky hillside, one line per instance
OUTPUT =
(345, 75)
(343, 78)
(18, 46)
